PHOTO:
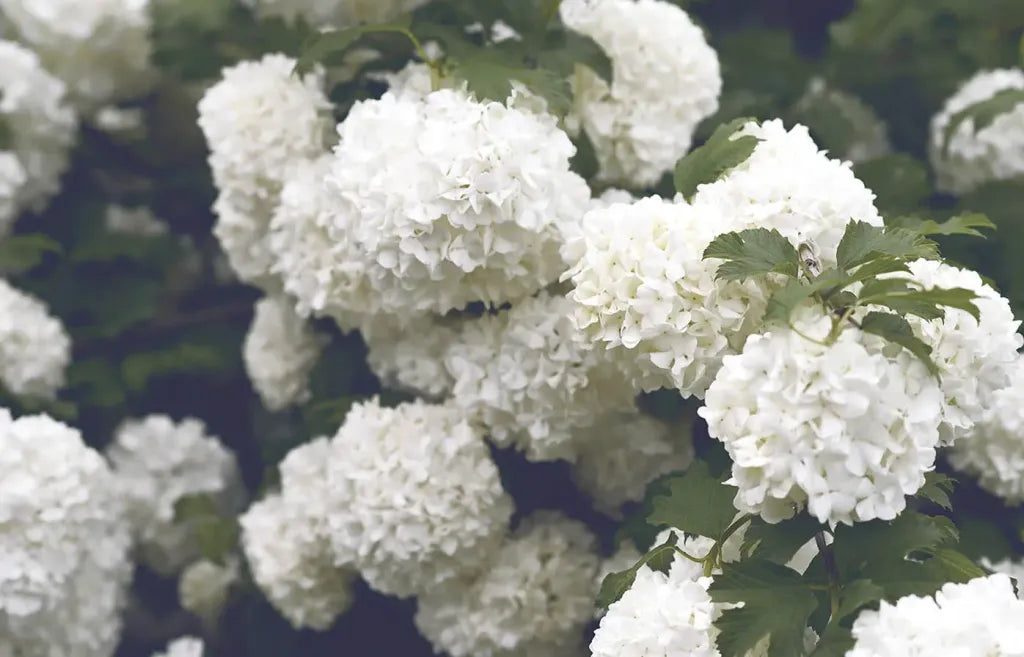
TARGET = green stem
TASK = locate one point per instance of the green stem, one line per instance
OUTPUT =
(828, 559)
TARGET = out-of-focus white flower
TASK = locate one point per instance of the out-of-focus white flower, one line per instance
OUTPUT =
(971, 157)
(981, 618)
(140, 221)
(666, 80)
(34, 347)
(840, 428)
(99, 48)
(859, 134)
(186, 646)
(204, 586)
(333, 13)
(415, 498)
(64, 543)
(409, 353)
(41, 127)
(532, 379)
(280, 351)
(157, 462)
(1013, 569)
(120, 122)
(532, 599)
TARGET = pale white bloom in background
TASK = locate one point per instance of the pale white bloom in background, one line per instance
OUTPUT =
(157, 462)
(64, 543)
(333, 13)
(532, 599)
(1013, 569)
(139, 221)
(971, 157)
(204, 587)
(409, 353)
(186, 646)
(982, 618)
(666, 80)
(34, 346)
(859, 134)
(280, 351)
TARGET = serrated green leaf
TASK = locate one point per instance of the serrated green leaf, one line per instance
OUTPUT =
(859, 548)
(873, 268)
(897, 330)
(490, 77)
(753, 252)
(695, 503)
(967, 223)
(857, 594)
(863, 242)
(790, 296)
(322, 45)
(983, 113)
(937, 488)
(20, 253)
(925, 303)
(835, 642)
(780, 541)
(614, 585)
(660, 558)
(956, 565)
(710, 161)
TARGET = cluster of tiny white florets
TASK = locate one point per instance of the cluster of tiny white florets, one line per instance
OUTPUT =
(452, 201)
(532, 599)
(865, 137)
(204, 587)
(186, 646)
(100, 48)
(841, 428)
(64, 543)
(415, 497)
(666, 80)
(971, 157)
(41, 126)
(34, 347)
(280, 351)
(532, 379)
(139, 221)
(259, 121)
(980, 618)
(333, 13)
(410, 355)
(157, 462)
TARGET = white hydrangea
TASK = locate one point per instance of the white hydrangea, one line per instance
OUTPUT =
(415, 497)
(333, 13)
(1013, 569)
(186, 646)
(280, 351)
(140, 221)
(666, 80)
(286, 543)
(100, 48)
(644, 291)
(532, 379)
(975, 358)
(623, 452)
(409, 354)
(982, 618)
(41, 126)
(204, 587)
(840, 428)
(259, 121)
(64, 543)
(157, 462)
(972, 157)
(865, 135)
(533, 598)
(993, 450)
(34, 347)
(453, 200)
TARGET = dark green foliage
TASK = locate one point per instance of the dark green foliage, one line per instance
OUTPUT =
(695, 502)
(710, 161)
(753, 252)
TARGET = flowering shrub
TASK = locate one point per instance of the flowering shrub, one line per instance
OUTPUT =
(511, 328)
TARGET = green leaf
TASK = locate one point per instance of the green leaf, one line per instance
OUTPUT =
(753, 252)
(937, 488)
(926, 303)
(695, 503)
(858, 549)
(710, 161)
(564, 49)
(883, 265)
(585, 162)
(614, 585)
(322, 45)
(961, 224)
(956, 565)
(20, 253)
(96, 382)
(138, 369)
(835, 642)
(863, 242)
(780, 541)
(858, 594)
(788, 298)
(897, 330)
(983, 113)
(490, 77)
(192, 507)
(217, 537)
(776, 602)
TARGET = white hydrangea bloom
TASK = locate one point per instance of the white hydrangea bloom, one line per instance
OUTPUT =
(204, 587)
(34, 347)
(866, 138)
(415, 497)
(409, 353)
(157, 462)
(64, 543)
(623, 452)
(1013, 569)
(41, 126)
(982, 618)
(453, 200)
(533, 598)
(259, 121)
(186, 646)
(840, 428)
(286, 542)
(99, 48)
(975, 358)
(333, 13)
(972, 157)
(532, 379)
(644, 291)
(280, 351)
(666, 80)
(140, 221)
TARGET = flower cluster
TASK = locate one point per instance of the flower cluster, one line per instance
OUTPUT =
(34, 347)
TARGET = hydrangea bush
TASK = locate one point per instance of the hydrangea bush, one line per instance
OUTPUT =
(511, 328)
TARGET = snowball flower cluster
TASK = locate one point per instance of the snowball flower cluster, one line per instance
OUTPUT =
(409, 353)
(34, 115)
(532, 599)
(532, 379)
(64, 562)
(666, 80)
(970, 157)
(981, 618)
(99, 48)
(840, 428)
(452, 201)
(204, 587)
(863, 135)
(186, 646)
(157, 462)
(333, 13)
(280, 351)
(414, 496)
(34, 347)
